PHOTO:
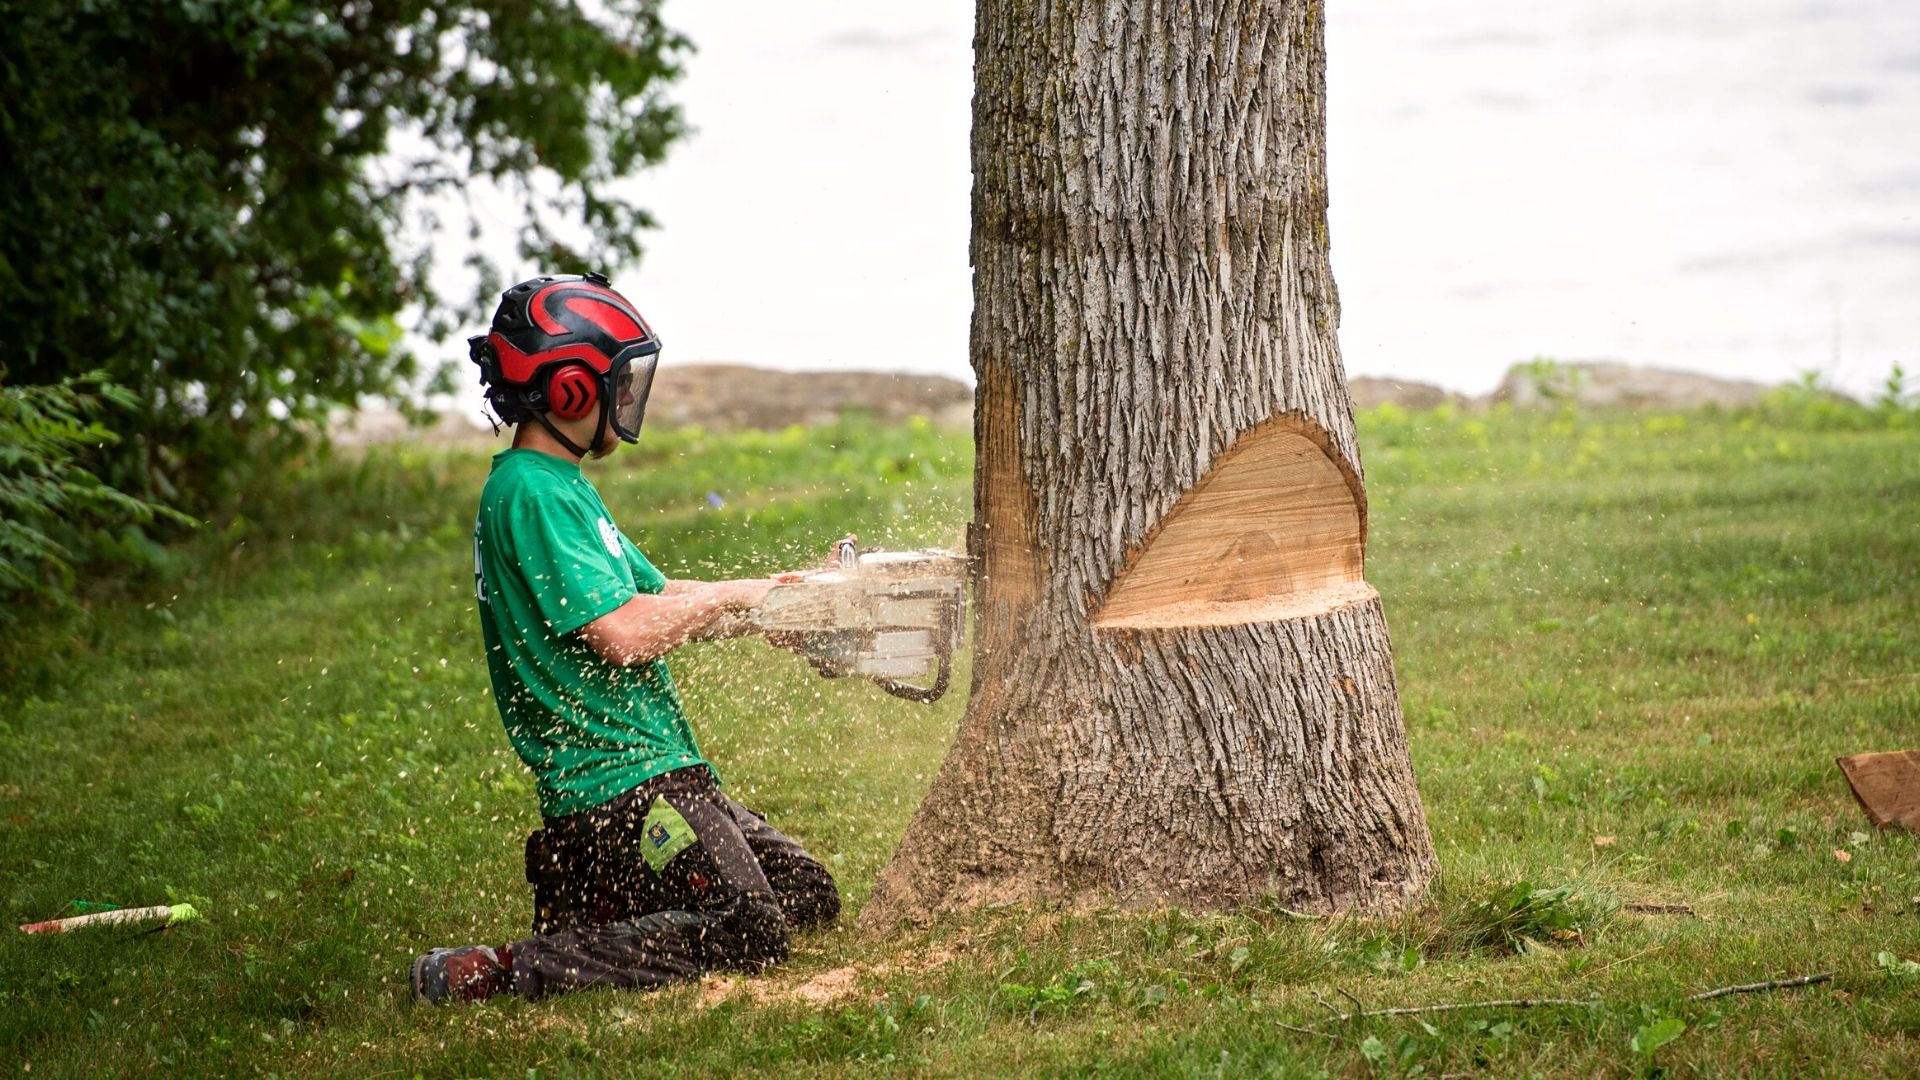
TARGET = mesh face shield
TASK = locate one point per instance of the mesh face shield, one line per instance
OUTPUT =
(629, 382)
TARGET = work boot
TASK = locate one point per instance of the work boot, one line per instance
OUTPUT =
(469, 973)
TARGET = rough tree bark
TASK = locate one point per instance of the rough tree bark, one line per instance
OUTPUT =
(1183, 690)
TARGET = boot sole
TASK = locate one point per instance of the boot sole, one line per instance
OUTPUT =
(413, 981)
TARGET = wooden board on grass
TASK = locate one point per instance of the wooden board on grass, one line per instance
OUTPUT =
(1887, 785)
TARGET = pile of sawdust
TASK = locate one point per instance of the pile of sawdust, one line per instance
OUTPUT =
(819, 990)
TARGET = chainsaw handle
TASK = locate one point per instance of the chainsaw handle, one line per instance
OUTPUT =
(925, 695)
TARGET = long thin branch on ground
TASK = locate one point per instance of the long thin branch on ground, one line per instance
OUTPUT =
(1357, 1007)
(1456, 1006)
(1585, 1003)
(1754, 988)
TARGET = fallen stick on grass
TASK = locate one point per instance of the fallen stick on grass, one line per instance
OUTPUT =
(1584, 1003)
(1754, 988)
(1457, 1006)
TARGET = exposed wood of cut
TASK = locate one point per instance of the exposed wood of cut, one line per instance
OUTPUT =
(1275, 530)
(1887, 785)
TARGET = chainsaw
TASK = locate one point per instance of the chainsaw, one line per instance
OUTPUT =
(892, 616)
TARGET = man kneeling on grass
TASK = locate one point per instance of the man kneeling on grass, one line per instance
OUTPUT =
(645, 873)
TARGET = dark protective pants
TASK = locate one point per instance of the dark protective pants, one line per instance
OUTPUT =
(665, 882)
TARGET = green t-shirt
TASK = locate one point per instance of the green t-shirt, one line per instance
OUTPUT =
(547, 561)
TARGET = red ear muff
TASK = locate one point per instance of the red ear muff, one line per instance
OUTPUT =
(572, 392)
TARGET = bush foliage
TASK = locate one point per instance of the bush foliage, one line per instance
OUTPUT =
(204, 200)
(53, 511)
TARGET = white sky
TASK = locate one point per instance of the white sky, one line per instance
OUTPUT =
(1724, 186)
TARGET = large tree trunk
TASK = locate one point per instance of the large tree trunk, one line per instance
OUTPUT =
(1183, 690)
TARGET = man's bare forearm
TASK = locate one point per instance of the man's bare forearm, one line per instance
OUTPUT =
(650, 626)
(730, 623)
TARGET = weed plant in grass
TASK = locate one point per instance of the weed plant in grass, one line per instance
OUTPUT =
(1630, 649)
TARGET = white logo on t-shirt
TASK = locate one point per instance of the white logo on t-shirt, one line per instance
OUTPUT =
(611, 537)
(479, 570)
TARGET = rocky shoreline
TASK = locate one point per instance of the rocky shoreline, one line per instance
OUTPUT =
(1594, 384)
(729, 397)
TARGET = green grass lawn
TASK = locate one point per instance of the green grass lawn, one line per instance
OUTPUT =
(1629, 649)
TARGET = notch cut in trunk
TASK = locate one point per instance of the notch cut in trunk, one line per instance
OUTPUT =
(1276, 529)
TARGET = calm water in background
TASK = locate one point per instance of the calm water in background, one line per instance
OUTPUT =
(1733, 187)
(1704, 184)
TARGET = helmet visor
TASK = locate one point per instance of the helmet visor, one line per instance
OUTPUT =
(632, 381)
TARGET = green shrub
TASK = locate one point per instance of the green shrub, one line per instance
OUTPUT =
(1810, 404)
(53, 511)
(1521, 916)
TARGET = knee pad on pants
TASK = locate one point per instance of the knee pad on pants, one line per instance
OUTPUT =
(759, 930)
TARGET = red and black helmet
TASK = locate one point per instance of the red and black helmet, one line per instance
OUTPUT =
(565, 345)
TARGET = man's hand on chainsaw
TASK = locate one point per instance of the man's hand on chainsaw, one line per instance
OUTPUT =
(796, 641)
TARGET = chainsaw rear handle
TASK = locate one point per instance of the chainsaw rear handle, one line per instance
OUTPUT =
(925, 695)
(949, 633)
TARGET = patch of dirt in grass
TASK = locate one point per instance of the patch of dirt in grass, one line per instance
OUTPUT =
(715, 989)
(823, 989)
(826, 987)
(552, 1021)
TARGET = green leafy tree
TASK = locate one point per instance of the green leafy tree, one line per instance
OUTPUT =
(204, 198)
